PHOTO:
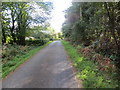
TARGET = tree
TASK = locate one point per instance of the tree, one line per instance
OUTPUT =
(17, 19)
(96, 23)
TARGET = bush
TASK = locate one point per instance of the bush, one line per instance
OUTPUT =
(36, 42)
(10, 51)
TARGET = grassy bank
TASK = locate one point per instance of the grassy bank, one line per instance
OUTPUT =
(11, 65)
(88, 72)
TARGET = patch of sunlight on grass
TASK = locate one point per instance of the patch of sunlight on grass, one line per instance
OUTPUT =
(80, 59)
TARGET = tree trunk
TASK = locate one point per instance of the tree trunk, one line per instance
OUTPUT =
(22, 40)
(112, 25)
(3, 37)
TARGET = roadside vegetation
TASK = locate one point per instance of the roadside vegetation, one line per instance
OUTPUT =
(14, 55)
(89, 70)
(91, 34)
(24, 32)
(93, 30)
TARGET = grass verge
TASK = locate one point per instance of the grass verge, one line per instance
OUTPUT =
(87, 70)
(13, 64)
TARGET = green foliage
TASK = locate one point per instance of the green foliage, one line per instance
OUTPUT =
(17, 18)
(14, 55)
(87, 23)
(95, 25)
(43, 33)
(10, 51)
(36, 42)
(87, 70)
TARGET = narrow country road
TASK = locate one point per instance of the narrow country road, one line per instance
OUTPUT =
(49, 68)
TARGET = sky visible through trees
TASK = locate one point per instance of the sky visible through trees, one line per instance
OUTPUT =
(93, 28)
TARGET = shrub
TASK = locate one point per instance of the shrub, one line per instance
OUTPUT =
(10, 51)
(36, 42)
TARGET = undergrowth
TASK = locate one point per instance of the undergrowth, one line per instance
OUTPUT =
(88, 72)
(14, 55)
